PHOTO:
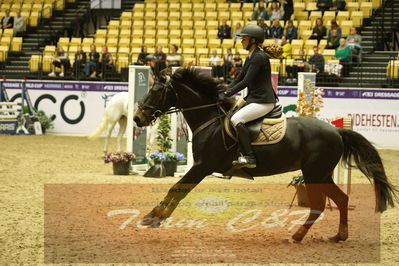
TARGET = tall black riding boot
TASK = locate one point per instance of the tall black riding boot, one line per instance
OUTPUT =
(248, 158)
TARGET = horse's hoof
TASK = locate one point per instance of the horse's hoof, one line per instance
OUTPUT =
(342, 234)
(300, 234)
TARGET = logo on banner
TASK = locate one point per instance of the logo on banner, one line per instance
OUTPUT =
(141, 78)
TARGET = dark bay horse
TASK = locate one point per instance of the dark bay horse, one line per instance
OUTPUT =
(310, 145)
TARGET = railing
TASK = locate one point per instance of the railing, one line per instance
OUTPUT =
(386, 37)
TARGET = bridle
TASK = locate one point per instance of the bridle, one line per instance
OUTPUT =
(158, 111)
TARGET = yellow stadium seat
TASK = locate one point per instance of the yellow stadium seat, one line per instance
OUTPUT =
(328, 16)
(297, 44)
(309, 44)
(149, 42)
(99, 42)
(162, 15)
(34, 63)
(298, 7)
(127, 24)
(301, 15)
(201, 43)
(150, 15)
(113, 33)
(150, 6)
(188, 43)
(224, 15)
(162, 34)
(236, 15)
(185, 7)
(136, 43)
(204, 61)
(187, 33)
(150, 24)
(174, 16)
(124, 42)
(163, 41)
(200, 34)
(114, 24)
(235, 7)
(100, 33)
(199, 24)
(188, 51)
(315, 15)
(275, 65)
(328, 54)
(125, 33)
(49, 50)
(137, 33)
(162, 24)
(212, 24)
(352, 6)
(189, 61)
(247, 7)
(174, 24)
(304, 25)
(346, 26)
(186, 15)
(228, 43)
(162, 6)
(137, 15)
(342, 15)
(209, 6)
(174, 33)
(198, 7)
(187, 24)
(127, 15)
(199, 15)
(367, 8)
(16, 44)
(138, 7)
(376, 3)
(64, 41)
(124, 50)
(214, 43)
(247, 15)
(211, 15)
(306, 34)
(212, 34)
(175, 41)
(322, 44)
(357, 18)
(174, 7)
(150, 33)
(75, 41)
(222, 6)
(87, 41)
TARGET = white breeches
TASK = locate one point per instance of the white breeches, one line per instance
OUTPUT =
(251, 112)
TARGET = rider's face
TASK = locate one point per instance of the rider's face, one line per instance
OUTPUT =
(245, 41)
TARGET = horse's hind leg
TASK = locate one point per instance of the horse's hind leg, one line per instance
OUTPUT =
(341, 200)
(317, 205)
(122, 129)
(110, 127)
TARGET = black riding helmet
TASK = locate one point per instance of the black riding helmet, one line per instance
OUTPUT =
(253, 31)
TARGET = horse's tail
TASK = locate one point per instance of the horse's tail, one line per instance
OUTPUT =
(369, 162)
(100, 128)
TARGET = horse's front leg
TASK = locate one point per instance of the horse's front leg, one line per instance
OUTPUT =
(175, 194)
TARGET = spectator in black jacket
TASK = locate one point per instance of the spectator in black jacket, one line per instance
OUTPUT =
(316, 61)
(224, 30)
(276, 31)
(324, 5)
(7, 22)
(80, 60)
(91, 66)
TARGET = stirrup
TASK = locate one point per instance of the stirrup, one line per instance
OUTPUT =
(245, 161)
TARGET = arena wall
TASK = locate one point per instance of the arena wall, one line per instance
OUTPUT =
(78, 106)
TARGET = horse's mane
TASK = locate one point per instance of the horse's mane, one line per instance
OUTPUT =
(198, 81)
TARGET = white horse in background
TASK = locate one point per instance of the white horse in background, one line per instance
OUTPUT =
(116, 111)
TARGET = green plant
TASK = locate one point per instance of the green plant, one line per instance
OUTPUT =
(44, 120)
(163, 140)
(297, 180)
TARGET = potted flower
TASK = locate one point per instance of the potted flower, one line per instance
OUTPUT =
(171, 160)
(299, 183)
(120, 161)
(158, 168)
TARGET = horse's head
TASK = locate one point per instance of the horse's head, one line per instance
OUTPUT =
(159, 99)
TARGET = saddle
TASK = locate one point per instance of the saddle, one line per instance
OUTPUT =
(265, 130)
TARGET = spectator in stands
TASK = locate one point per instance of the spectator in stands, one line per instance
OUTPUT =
(275, 11)
(80, 61)
(287, 49)
(334, 26)
(161, 57)
(216, 65)
(354, 41)
(224, 30)
(237, 66)
(316, 61)
(7, 22)
(338, 5)
(141, 59)
(288, 9)
(173, 58)
(276, 31)
(60, 60)
(92, 64)
(106, 61)
(298, 66)
(236, 31)
(324, 5)
(151, 61)
(227, 63)
(260, 12)
(343, 52)
(333, 40)
(266, 29)
(291, 32)
(19, 24)
(319, 31)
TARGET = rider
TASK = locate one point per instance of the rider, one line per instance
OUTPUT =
(261, 98)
